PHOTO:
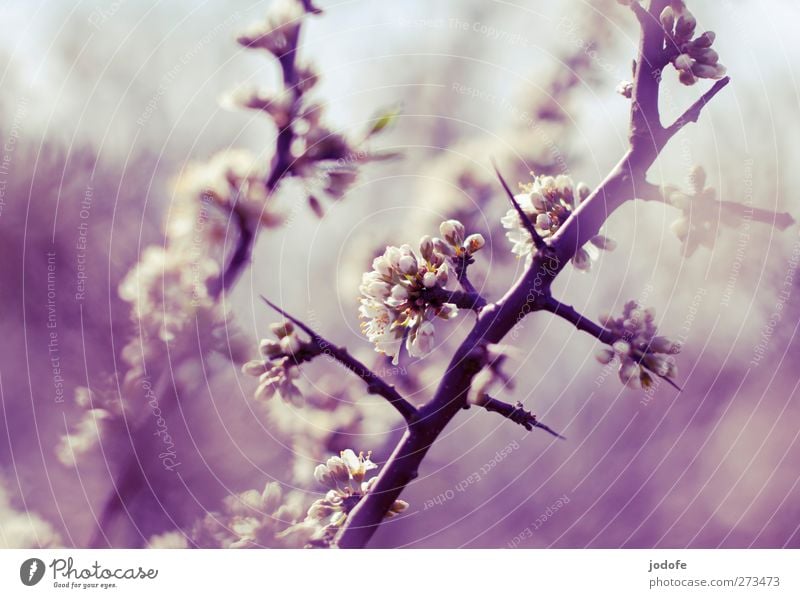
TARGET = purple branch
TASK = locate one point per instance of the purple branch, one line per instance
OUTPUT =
(375, 384)
(517, 414)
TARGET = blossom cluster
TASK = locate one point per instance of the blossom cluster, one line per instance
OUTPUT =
(701, 214)
(639, 349)
(344, 477)
(401, 295)
(277, 369)
(250, 519)
(547, 202)
(695, 59)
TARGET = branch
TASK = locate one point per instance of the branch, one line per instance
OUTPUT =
(780, 220)
(526, 222)
(461, 299)
(517, 414)
(580, 322)
(693, 112)
(375, 384)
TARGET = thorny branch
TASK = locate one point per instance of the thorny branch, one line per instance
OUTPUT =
(530, 293)
(375, 384)
(517, 414)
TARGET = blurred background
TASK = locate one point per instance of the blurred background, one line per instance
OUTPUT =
(104, 103)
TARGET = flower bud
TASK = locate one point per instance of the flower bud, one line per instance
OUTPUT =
(254, 368)
(684, 27)
(453, 232)
(281, 330)
(474, 242)
(604, 356)
(426, 248)
(269, 348)
(705, 40)
(583, 190)
(706, 56)
(429, 280)
(290, 344)
(683, 62)
(543, 222)
(603, 242)
(667, 18)
(408, 265)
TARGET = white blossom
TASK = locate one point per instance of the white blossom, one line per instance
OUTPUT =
(398, 302)
(548, 202)
(639, 349)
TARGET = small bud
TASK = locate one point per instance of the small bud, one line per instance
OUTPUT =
(408, 265)
(281, 330)
(683, 62)
(543, 222)
(604, 356)
(684, 27)
(254, 368)
(290, 344)
(453, 232)
(269, 348)
(705, 40)
(583, 191)
(668, 19)
(625, 89)
(429, 280)
(474, 242)
(426, 248)
(603, 242)
(687, 78)
(705, 56)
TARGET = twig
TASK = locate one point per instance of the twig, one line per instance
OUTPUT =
(692, 113)
(462, 299)
(375, 384)
(580, 322)
(780, 220)
(517, 414)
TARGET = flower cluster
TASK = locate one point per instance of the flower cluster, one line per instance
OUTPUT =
(695, 59)
(250, 519)
(401, 295)
(344, 477)
(278, 32)
(548, 202)
(701, 214)
(639, 349)
(277, 369)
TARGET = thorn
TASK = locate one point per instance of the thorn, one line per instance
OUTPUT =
(548, 429)
(526, 222)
